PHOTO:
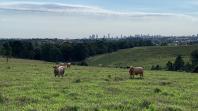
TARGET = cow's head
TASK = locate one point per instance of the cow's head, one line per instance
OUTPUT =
(55, 67)
(131, 69)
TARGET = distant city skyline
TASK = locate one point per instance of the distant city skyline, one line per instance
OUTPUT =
(81, 18)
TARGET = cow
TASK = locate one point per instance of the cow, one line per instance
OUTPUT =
(68, 65)
(59, 70)
(136, 71)
(61, 64)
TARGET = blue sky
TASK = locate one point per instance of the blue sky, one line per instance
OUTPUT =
(81, 18)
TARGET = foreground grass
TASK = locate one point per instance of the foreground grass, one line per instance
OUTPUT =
(142, 56)
(30, 86)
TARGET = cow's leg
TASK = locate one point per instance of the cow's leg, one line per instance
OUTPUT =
(63, 73)
(141, 75)
(131, 76)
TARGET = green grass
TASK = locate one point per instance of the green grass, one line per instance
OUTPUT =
(31, 86)
(142, 56)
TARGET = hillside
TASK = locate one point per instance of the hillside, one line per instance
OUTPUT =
(27, 85)
(142, 56)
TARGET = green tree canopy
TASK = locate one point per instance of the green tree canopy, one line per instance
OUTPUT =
(7, 50)
(194, 57)
(179, 63)
(169, 66)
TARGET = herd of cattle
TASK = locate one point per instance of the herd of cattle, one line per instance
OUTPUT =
(59, 70)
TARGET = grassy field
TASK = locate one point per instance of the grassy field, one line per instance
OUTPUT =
(27, 85)
(142, 56)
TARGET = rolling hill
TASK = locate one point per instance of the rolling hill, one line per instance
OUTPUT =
(142, 56)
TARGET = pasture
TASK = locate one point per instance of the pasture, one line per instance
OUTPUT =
(142, 56)
(27, 85)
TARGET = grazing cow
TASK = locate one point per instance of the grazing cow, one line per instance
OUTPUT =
(59, 70)
(68, 65)
(135, 71)
(61, 64)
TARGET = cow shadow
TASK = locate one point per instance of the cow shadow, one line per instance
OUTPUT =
(136, 78)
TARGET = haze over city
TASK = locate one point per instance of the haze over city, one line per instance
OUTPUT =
(81, 18)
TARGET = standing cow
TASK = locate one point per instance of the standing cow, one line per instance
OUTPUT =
(59, 70)
(68, 65)
(135, 71)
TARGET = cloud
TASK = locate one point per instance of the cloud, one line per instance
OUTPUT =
(193, 2)
(79, 10)
(2, 20)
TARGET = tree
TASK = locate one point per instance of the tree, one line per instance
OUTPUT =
(7, 50)
(37, 54)
(188, 67)
(17, 48)
(66, 50)
(195, 69)
(169, 66)
(157, 67)
(153, 67)
(101, 47)
(28, 50)
(164, 44)
(74, 50)
(80, 52)
(50, 52)
(194, 57)
(179, 63)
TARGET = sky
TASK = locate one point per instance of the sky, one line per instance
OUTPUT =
(81, 18)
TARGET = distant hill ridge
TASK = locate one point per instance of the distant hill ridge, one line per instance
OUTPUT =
(142, 56)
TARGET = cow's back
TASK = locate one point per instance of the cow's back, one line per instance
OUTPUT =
(138, 70)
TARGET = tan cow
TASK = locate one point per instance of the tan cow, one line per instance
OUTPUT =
(61, 64)
(68, 65)
(136, 71)
(59, 70)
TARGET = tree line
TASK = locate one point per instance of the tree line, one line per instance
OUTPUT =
(180, 65)
(55, 50)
